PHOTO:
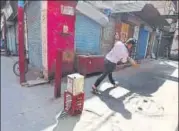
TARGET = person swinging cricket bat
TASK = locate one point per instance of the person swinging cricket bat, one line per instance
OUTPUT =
(119, 53)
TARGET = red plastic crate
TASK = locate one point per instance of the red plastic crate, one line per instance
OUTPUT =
(73, 105)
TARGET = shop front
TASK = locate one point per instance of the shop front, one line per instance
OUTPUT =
(127, 27)
(142, 43)
(87, 35)
(11, 39)
(58, 27)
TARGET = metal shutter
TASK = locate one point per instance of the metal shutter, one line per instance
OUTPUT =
(142, 43)
(87, 35)
(11, 41)
(33, 12)
(8, 40)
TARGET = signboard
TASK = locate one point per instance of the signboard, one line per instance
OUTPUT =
(67, 10)
(68, 56)
(123, 36)
(136, 32)
(124, 32)
(21, 3)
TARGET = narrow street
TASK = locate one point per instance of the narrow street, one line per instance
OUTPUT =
(120, 109)
(58, 39)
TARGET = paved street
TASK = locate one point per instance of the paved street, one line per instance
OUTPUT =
(146, 99)
(22, 108)
(57, 37)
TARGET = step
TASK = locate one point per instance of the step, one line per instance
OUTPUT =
(36, 82)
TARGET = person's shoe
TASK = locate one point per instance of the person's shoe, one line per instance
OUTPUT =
(116, 84)
(95, 90)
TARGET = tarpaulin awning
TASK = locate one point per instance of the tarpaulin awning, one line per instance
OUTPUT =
(147, 12)
(152, 16)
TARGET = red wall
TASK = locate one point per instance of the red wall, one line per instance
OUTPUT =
(55, 22)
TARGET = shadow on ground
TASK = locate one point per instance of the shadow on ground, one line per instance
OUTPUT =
(143, 83)
(114, 104)
(147, 82)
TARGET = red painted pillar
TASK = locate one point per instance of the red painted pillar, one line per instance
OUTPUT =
(21, 40)
(58, 73)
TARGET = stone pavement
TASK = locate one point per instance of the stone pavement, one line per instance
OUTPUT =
(146, 100)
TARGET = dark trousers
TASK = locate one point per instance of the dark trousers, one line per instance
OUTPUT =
(109, 67)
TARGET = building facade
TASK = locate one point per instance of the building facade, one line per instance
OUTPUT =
(83, 28)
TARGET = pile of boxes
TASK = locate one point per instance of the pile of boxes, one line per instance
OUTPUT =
(74, 95)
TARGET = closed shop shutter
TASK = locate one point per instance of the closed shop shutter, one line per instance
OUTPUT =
(11, 40)
(142, 43)
(87, 36)
(108, 37)
(33, 12)
(8, 40)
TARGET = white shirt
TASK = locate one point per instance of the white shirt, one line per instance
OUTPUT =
(118, 53)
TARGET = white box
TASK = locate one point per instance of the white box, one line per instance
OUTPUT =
(75, 83)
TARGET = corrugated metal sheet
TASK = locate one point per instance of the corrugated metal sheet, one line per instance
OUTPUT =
(103, 4)
(108, 37)
(92, 13)
(34, 33)
(8, 40)
(142, 43)
(87, 35)
(129, 7)
(13, 38)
